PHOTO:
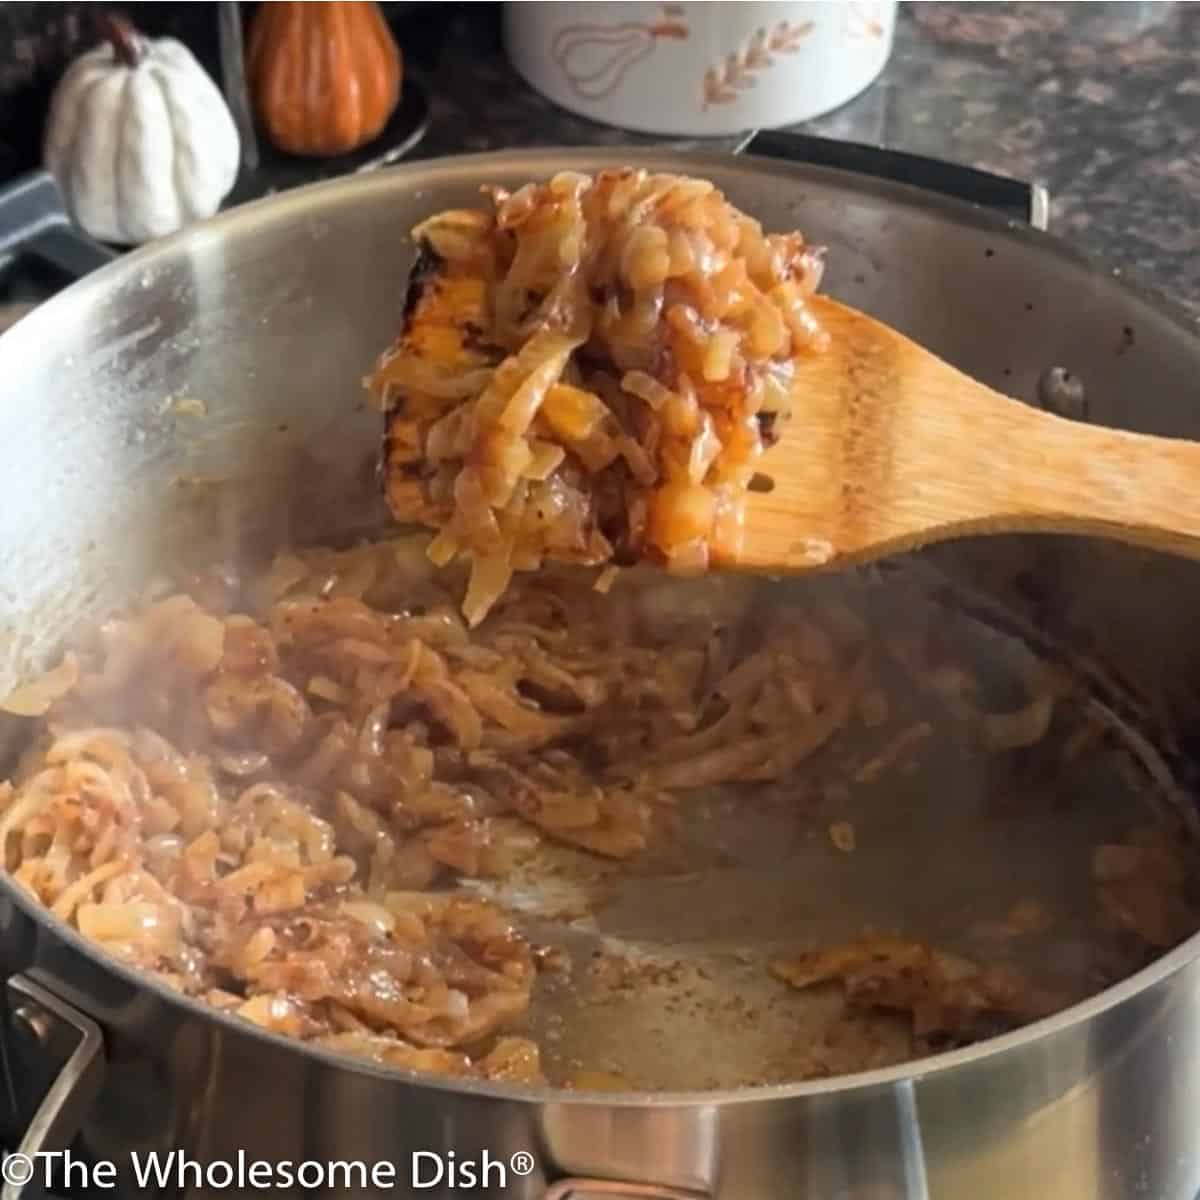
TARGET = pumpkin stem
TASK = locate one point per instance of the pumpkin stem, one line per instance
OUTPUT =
(122, 37)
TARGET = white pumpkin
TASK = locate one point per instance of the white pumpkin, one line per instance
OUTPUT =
(140, 139)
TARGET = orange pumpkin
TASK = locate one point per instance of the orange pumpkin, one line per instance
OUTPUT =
(325, 76)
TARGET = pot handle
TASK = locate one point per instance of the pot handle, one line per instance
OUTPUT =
(1025, 202)
(34, 220)
(63, 1033)
(610, 1189)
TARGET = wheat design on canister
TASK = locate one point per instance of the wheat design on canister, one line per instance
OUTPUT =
(864, 21)
(725, 81)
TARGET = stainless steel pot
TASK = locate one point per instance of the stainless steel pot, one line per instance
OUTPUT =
(268, 315)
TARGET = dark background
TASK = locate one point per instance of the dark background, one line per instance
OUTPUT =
(39, 41)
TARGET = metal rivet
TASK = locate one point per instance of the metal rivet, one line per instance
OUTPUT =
(33, 1022)
(1060, 392)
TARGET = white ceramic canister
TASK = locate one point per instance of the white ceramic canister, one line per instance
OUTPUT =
(701, 68)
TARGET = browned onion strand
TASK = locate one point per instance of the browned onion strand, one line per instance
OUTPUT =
(643, 333)
(267, 791)
(948, 998)
(265, 799)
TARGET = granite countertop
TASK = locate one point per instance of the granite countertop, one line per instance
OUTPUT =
(1098, 101)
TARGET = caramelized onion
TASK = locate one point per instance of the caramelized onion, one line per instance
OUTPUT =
(653, 280)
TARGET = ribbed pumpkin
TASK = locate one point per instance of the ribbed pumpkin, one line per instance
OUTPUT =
(325, 76)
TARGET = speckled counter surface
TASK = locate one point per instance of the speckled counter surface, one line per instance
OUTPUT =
(1101, 102)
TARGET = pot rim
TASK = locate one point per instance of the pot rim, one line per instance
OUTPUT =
(538, 161)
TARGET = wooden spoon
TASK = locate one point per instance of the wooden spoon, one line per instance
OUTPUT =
(889, 448)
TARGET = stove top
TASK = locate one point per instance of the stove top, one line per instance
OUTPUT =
(41, 252)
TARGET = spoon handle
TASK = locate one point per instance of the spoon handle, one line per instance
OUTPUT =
(890, 448)
(1021, 469)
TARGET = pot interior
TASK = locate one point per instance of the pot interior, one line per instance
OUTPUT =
(201, 399)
